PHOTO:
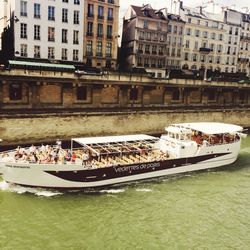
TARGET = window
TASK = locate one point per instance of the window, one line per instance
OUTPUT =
(76, 17)
(37, 9)
(187, 44)
(180, 31)
(15, 92)
(51, 34)
(220, 37)
(169, 28)
(175, 29)
(194, 57)
(213, 35)
(188, 31)
(90, 10)
(23, 8)
(110, 14)
(205, 34)
(189, 20)
(196, 45)
(65, 1)
(64, 15)
(76, 1)
(24, 49)
(64, 36)
(51, 53)
(197, 33)
(64, 54)
(37, 52)
(186, 56)
(108, 49)
(23, 33)
(90, 29)
(76, 37)
(37, 32)
(145, 24)
(89, 48)
(99, 29)
(100, 12)
(51, 13)
(99, 49)
(81, 93)
(75, 54)
(109, 31)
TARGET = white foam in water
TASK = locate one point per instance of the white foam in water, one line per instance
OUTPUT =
(144, 190)
(113, 191)
(4, 186)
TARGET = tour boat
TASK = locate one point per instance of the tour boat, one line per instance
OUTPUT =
(100, 161)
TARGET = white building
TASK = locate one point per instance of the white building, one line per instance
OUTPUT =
(45, 29)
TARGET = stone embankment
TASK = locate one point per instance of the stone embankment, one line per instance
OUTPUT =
(20, 129)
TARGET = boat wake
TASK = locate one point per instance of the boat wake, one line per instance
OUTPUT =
(4, 186)
(112, 191)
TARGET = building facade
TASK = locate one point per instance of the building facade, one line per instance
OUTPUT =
(100, 37)
(174, 42)
(50, 30)
(244, 49)
(144, 39)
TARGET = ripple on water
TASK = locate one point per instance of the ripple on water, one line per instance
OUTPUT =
(4, 186)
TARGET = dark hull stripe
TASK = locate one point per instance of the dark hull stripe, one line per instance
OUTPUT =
(119, 171)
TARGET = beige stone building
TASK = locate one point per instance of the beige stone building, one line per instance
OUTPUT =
(204, 41)
(101, 33)
(174, 42)
(144, 39)
(244, 49)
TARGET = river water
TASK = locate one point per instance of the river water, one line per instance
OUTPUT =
(202, 210)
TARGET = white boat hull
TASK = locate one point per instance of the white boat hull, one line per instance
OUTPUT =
(40, 175)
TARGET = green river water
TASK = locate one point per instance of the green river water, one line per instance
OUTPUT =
(202, 210)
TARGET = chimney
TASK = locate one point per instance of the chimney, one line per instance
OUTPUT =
(201, 9)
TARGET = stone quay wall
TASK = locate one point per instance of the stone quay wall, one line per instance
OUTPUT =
(21, 129)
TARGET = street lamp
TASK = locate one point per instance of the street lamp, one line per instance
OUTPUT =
(15, 18)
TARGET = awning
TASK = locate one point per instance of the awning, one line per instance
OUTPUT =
(38, 65)
(211, 128)
(113, 139)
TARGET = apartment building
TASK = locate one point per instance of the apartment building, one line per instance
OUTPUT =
(244, 48)
(144, 39)
(204, 41)
(100, 37)
(174, 42)
(49, 30)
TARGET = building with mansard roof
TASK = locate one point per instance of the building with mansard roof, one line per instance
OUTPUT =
(144, 39)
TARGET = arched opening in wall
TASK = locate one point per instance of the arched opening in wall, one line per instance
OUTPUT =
(176, 95)
(81, 93)
(185, 66)
(211, 95)
(134, 94)
(242, 95)
(15, 92)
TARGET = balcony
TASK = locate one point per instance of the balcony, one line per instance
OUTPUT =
(140, 51)
(89, 33)
(154, 52)
(108, 55)
(99, 54)
(147, 52)
(99, 35)
(204, 50)
(91, 15)
(160, 53)
(89, 53)
(100, 17)
(109, 36)
(110, 18)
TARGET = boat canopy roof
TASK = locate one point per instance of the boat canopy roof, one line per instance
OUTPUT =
(178, 130)
(210, 128)
(113, 139)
